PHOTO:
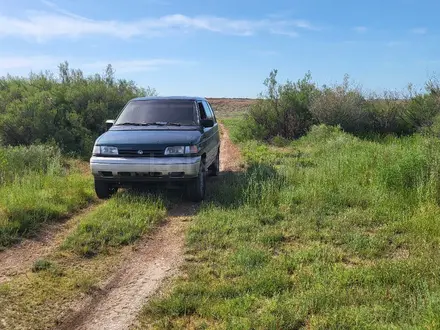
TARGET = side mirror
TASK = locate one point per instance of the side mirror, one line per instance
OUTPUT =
(207, 122)
(109, 123)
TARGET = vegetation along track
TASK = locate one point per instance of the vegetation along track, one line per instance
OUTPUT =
(155, 259)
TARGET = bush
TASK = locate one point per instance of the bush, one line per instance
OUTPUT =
(342, 105)
(386, 113)
(283, 111)
(69, 111)
(288, 110)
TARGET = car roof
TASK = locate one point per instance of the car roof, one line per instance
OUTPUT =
(187, 98)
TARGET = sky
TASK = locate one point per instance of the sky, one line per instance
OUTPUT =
(226, 48)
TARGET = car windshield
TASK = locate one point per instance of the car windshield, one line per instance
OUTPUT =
(158, 112)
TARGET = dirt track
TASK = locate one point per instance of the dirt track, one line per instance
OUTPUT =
(156, 259)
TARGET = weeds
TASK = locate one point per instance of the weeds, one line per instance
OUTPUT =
(16, 162)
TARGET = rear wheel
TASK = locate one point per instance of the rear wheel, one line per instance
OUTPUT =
(197, 187)
(104, 190)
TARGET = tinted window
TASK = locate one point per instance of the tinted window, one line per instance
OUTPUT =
(208, 110)
(203, 113)
(151, 111)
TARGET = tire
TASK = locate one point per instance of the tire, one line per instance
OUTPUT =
(197, 186)
(104, 190)
(214, 169)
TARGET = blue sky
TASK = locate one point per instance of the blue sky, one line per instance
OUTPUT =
(226, 48)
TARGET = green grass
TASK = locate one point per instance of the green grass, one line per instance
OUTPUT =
(329, 232)
(120, 221)
(27, 203)
(15, 162)
(38, 185)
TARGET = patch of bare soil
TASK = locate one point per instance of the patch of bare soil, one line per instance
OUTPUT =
(19, 259)
(156, 259)
(230, 157)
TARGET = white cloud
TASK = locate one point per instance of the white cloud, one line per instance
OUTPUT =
(419, 30)
(360, 29)
(43, 25)
(22, 65)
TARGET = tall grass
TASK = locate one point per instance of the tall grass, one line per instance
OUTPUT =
(35, 188)
(16, 162)
(36, 198)
(329, 232)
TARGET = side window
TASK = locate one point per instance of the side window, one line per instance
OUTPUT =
(209, 111)
(202, 110)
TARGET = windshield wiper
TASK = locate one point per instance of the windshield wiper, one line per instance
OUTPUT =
(135, 124)
(158, 123)
(166, 123)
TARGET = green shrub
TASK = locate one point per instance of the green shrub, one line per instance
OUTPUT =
(341, 105)
(289, 110)
(387, 114)
(283, 111)
(69, 110)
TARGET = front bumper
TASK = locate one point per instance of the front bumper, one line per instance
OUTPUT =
(144, 168)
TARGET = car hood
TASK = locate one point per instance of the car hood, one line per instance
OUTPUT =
(149, 137)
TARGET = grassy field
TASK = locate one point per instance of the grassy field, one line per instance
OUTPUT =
(38, 185)
(87, 257)
(329, 231)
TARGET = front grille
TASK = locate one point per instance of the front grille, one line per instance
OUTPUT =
(145, 153)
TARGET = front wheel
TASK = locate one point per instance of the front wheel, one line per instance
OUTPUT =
(104, 190)
(197, 187)
(214, 169)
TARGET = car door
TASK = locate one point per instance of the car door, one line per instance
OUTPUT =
(210, 134)
(215, 129)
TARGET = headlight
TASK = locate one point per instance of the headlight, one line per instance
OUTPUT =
(105, 150)
(175, 150)
(180, 150)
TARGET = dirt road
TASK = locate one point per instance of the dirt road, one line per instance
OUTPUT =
(156, 259)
